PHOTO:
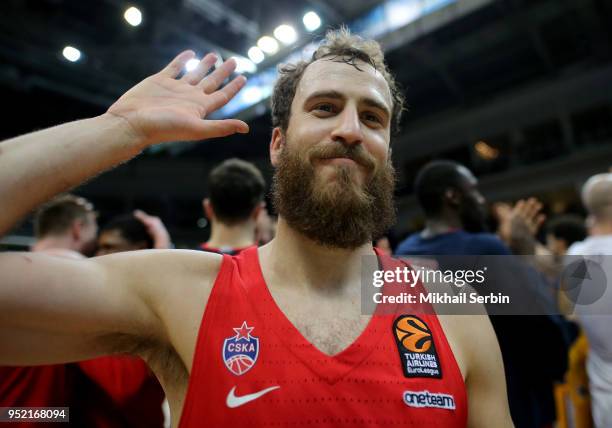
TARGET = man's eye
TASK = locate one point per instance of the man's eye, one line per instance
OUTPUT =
(371, 118)
(328, 108)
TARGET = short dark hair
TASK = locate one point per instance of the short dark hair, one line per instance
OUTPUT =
(338, 44)
(130, 228)
(56, 216)
(433, 180)
(569, 227)
(235, 188)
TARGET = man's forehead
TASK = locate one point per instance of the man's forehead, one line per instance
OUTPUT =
(338, 75)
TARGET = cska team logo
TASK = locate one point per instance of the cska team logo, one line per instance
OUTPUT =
(241, 350)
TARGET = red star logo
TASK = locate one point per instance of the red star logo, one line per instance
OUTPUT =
(244, 331)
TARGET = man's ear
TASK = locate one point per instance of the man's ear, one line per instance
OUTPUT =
(277, 143)
(257, 210)
(453, 196)
(76, 229)
(209, 212)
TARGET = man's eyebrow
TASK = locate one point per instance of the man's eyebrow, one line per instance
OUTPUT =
(338, 95)
(325, 94)
(376, 104)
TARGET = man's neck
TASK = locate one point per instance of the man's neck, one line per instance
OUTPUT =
(57, 246)
(440, 225)
(294, 260)
(238, 236)
(601, 228)
(55, 242)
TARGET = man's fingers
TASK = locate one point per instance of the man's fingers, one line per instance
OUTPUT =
(221, 128)
(532, 208)
(219, 98)
(503, 209)
(197, 74)
(175, 66)
(143, 217)
(211, 82)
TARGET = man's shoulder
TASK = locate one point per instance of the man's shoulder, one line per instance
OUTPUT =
(407, 245)
(592, 245)
(165, 265)
(486, 243)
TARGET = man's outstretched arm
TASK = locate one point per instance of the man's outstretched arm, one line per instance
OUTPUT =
(161, 108)
(56, 309)
(53, 309)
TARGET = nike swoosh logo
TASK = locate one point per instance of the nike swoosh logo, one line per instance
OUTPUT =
(233, 401)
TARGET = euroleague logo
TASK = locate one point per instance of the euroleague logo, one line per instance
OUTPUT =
(241, 350)
(416, 347)
(413, 334)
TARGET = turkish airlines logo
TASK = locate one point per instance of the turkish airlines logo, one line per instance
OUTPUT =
(416, 347)
(413, 334)
(232, 401)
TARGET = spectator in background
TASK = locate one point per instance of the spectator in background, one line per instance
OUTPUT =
(129, 232)
(455, 212)
(66, 227)
(595, 318)
(265, 228)
(236, 191)
(563, 231)
(121, 391)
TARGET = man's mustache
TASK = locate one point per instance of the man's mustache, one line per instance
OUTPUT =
(355, 153)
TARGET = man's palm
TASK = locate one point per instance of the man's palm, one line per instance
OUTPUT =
(162, 108)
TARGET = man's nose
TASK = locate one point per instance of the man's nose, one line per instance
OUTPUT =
(348, 129)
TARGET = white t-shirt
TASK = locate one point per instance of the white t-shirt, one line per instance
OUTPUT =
(596, 319)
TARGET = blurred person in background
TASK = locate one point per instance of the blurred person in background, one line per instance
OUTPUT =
(596, 317)
(235, 207)
(455, 224)
(64, 227)
(265, 228)
(130, 232)
(121, 391)
(562, 231)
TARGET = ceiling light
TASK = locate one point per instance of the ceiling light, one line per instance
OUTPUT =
(133, 16)
(252, 95)
(311, 21)
(192, 64)
(244, 65)
(485, 151)
(256, 55)
(268, 45)
(71, 54)
(285, 34)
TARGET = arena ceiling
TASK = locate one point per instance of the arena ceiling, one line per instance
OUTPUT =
(496, 70)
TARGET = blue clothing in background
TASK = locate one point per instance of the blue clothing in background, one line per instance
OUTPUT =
(453, 243)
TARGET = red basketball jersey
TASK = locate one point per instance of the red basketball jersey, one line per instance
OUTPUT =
(118, 391)
(39, 386)
(253, 368)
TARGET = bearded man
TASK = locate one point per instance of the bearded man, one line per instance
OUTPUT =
(275, 335)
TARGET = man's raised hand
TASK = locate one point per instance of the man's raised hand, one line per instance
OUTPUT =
(163, 108)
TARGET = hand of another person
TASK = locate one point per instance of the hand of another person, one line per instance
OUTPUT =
(163, 108)
(519, 224)
(156, 230)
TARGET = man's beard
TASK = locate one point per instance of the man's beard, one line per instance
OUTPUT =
(338, 213)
